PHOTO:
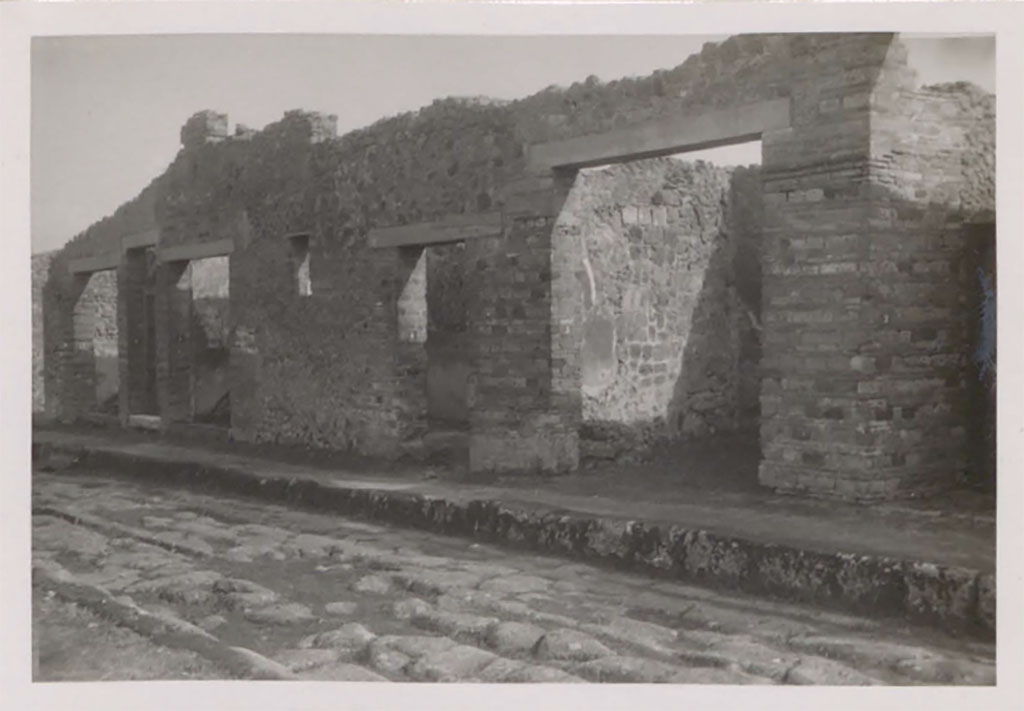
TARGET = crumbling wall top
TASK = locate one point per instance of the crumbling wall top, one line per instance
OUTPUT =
(315, 125)
(204, 127)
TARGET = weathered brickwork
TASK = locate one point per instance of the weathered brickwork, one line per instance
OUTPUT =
(522, 414)
(175, 340)
(664, 317)
(136, 307)
(333, 362)
(866, 332)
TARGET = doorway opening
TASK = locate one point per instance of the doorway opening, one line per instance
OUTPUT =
(435, 349)
(670, 283)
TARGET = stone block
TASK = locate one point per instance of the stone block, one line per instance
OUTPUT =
(987, 601)
(458, 663)
(287, 613)
(570, 645)
(944, 593)
(513, 637)
(621, 669)
(708, 557)
(349, 641)
(457, 625)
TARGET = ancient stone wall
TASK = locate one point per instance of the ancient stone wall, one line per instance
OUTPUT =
(663, 313)
(939, 179)
(865, 337)
(323, 370)
(326, 365)
(328, 370)
(40, 273)
(816, 150)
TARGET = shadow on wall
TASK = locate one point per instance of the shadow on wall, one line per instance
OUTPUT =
(718, 388)
(448, 345)
(211, 390)
(978, 259)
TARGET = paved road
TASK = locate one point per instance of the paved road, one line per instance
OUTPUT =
(219, 587)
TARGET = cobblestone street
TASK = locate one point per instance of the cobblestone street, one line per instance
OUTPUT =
(270, 592)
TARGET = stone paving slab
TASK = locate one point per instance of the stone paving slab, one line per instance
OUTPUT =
(923, 588)
(617, 627)
(239, 662)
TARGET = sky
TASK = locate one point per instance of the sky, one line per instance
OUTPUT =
(107, 111)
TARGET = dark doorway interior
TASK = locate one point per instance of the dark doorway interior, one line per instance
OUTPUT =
(448, 357)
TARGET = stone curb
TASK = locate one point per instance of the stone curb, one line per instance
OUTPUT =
(949, 597)
(240, 662)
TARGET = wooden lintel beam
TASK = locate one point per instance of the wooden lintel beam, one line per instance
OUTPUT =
(197, 250)
(140, 239)
(660, 137)
(98, 263)
(454, 228)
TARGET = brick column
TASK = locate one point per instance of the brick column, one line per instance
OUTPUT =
(524, 400)
(70, 365)
(174, 341)
(849, 313)
(131, 324)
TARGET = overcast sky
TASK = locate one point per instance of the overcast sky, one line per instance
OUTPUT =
(106, 111)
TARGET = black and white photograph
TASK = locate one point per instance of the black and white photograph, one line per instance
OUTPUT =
(512, 354)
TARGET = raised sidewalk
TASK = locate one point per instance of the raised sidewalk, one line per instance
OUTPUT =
(932, 562)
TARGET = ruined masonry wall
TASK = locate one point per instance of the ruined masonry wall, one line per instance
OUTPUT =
(324, 369)
(331, 369)
(939, 179)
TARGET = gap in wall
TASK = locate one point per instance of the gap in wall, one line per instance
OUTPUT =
(670, 284)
